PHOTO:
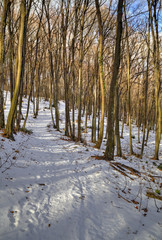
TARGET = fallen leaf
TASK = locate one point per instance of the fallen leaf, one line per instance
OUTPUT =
(145, 209)
(135, 202)
(13, 212)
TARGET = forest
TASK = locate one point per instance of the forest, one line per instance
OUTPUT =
(100, 57)
(80, 119)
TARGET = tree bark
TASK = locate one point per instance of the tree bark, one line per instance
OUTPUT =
(146, 88)
(101, 73)
(109, 152)
(9, 125)
(2, 38)
(117, 133)
(11, 49)
(34, 67)
(81, 56)
(128, 78)
(64, 27)
(156, 57)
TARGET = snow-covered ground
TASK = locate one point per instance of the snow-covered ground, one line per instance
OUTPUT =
(52, 188)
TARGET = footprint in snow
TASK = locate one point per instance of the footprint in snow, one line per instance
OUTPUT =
(13, 216)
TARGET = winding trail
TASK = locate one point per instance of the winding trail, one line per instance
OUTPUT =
(55, 190)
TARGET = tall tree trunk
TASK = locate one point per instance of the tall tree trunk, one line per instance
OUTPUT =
(51, 81)
(11, 49)
(9, 125)
(95, 98)
(81, 56)
(128, 78)
(19, 114)
(64, 27)
(34, 67)
(156, 57)
(146, 88)
(2, 38)
(73, 67)
(109, 152)
(158, 85)
(102, 81)
(57, 63)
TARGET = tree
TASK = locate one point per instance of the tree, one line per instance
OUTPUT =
(72, 63)
(64, 28)
(2, 38)
(128, 78)
(24, 13)
(11, 49)
(81, 56)
(109, 152)
(146, 86)
(51, 77)
(101, 73)
(156, 58)
(33, 66)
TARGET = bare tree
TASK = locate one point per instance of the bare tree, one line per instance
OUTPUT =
(101, 73)
(2, 38)
(109, 152)
(24, 14)
(156, 57)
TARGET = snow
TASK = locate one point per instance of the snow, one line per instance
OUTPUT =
(52, 188)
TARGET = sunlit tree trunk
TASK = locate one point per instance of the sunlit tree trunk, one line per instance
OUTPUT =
(9, 125)
(38, 72)
(51, 83)
(81, 56)
(73, 67)
(33, 68)
(94, 89)
(128, 78)
(18, 115)
(146, 88)
(57, 76)
(64, 27)
(102, 80)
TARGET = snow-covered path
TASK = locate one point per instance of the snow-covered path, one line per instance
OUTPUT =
(54, 190)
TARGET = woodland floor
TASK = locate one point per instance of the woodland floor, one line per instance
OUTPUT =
(52, 188)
